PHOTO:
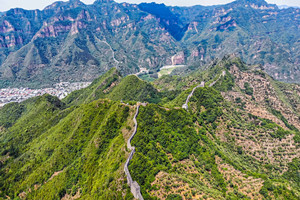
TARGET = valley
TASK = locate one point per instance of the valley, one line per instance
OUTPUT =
(167, 70)
(61, 90)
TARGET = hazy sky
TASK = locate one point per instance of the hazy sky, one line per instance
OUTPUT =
(40, 4)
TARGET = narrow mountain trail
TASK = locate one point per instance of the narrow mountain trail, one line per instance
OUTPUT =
(134, 186)
(113, 53)
(185, 106)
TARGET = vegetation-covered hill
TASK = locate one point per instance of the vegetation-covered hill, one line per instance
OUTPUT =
(77, 152)
(98, 89)
(71, 41)
(132, 88)
(221, 148)
(239, 139)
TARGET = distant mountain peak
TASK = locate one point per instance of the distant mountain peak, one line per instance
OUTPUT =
(71, 3)
(256, 4)
(72, 41)
(103, 1)
(76, 2)
(253, 1)
(282, 7)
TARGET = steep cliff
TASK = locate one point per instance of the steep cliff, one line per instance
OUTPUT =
(77, 42)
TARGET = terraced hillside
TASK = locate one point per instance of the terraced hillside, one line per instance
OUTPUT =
(238, 139)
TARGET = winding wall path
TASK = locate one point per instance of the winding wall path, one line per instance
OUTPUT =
(185, 106)
(134, 186)
(223, 74)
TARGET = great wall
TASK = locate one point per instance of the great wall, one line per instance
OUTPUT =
(134, 186)
(185, 106)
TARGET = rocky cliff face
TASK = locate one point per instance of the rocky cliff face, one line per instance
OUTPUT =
(74, 41)
(255, 31)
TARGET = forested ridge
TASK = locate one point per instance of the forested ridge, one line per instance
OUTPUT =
(238, 139)
(73, 41)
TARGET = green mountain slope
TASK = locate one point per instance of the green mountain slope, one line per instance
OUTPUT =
(96, 90)
(111, 85)
(238, 139)
(82, 153)
(132, 88)
(221, 148)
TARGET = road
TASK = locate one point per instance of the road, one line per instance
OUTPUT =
(113, 53)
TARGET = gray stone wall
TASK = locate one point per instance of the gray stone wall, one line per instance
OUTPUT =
(213, 83)
(134, 186)
(185, 106)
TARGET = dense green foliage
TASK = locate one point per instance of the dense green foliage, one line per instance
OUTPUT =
(42, 113)
(171, 132)
(85, 41)
(282, 118)
(236, 62)
(95, 90)
(211, 100)
(293, 171)
(10, 113)
(277, 191)
(174, 197)
(225, 83)
(248, 89)
(134, 89)
(76, 147)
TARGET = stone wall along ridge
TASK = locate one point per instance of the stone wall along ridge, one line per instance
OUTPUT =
(185, 106)
(134, 186)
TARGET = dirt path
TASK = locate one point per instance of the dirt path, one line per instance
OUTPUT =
(113, 53)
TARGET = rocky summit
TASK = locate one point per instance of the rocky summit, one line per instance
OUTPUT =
(71, 41)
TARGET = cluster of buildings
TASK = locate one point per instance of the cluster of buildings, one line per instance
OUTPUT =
(60, 90)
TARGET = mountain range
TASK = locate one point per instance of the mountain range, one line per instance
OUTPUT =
(71, 41)
(286, 6)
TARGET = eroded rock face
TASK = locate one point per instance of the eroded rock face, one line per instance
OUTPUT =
(74, 41)
(65, 38)
(178, 59)
(10, 41)
(6, 27)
